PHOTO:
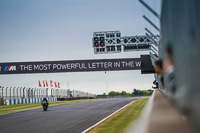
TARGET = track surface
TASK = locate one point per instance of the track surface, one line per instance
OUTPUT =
(66, 118)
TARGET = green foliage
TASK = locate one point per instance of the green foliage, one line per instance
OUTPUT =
(134, 93)
(112, 93)
(129, 94)
(123, 93)
(142, 92)
(118, 93)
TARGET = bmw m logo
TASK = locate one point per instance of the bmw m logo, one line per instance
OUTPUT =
(10, 68)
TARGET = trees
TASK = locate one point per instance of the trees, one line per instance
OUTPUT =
(123, 93)
(151, 91)
(112, 93)
(142, 92)
(118, 93)
(134, 93)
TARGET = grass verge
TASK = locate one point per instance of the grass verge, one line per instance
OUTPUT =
(119, 122)
(20, 107)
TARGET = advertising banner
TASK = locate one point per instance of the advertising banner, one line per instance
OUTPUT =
(70, 66)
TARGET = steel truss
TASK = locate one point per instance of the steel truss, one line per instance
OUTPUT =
(128, 43)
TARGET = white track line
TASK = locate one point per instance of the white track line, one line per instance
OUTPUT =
(85, 131)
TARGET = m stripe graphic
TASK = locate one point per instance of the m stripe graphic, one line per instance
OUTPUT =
(5, 69)
(10, 68)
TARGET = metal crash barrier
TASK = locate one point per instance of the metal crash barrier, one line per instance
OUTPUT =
(22, 95)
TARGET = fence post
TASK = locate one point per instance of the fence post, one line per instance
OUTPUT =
(20, 93)
(10, 92)
(26, 96)
(57, 92)
(38, 96)
(47, 92)
(14, 92)
(34, 92)
(42, 92)
(26, 92)
(17, 92)
(6, 93)
(29, 92)
(39, 92)
(23, 92)
(2, 91)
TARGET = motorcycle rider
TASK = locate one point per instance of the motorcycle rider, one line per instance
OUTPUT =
(45, 101)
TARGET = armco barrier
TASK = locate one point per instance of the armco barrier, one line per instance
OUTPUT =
(29, 100)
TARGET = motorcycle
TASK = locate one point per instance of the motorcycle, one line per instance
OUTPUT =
(44, 105)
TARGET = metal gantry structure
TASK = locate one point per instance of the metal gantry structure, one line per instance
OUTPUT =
(111, 42)
(106, 42)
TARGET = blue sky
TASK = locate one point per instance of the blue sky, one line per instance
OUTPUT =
(50, 30)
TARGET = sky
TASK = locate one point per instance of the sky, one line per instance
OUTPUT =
(51, 30)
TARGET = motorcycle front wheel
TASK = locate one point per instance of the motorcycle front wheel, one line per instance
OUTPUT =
(45, 108)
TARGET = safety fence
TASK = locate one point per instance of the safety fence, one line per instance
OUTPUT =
(21, 95)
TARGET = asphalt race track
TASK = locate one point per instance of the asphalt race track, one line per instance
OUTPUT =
(66, 118)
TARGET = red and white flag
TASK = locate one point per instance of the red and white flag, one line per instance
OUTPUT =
(39, 83)
(46, 84)
(51, 83)
(55, 85)
(43, 83)
(58, 85)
